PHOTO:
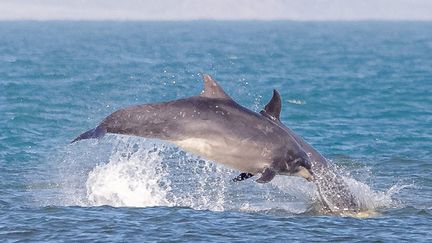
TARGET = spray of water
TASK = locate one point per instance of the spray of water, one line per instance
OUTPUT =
(136, 172)
(133, 177)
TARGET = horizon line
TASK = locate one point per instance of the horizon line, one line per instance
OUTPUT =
(217, 10)
(213, 20)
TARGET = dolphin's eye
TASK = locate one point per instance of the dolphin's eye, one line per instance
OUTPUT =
(302, 162)
(289, 157)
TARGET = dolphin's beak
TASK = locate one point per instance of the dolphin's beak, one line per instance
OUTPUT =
(310, 178)
(305, 173)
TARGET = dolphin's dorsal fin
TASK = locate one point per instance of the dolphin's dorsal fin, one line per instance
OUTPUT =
(273, 108)
(212, 89)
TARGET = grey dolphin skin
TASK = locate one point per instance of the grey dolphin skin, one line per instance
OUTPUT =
(215, 127)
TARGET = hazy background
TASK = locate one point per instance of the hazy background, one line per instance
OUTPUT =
(216, 9)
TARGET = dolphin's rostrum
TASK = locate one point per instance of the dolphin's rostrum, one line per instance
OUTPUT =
(214, 126)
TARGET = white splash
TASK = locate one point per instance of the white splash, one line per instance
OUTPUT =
(297, 102)
(370, 199)
(133, 177)
(147, 173)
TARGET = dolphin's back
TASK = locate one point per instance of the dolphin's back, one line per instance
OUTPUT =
(192, 117)
(150, 120)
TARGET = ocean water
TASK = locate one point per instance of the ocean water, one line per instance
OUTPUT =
(359, 92)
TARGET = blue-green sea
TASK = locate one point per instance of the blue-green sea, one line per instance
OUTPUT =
(359, 92)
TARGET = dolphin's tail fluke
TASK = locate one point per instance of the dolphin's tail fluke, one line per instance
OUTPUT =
(97, 132)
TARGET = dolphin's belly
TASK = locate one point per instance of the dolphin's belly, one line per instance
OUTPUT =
(243, 156)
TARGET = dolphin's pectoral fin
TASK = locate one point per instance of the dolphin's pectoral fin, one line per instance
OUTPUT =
(267, 175)
(242, 176)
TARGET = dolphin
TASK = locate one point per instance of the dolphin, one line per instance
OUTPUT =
(212, 125)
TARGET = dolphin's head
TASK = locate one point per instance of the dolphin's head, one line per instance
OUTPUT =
(298, 163)
(303, 169)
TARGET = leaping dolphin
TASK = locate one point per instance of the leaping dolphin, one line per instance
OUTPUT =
(214, 126)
